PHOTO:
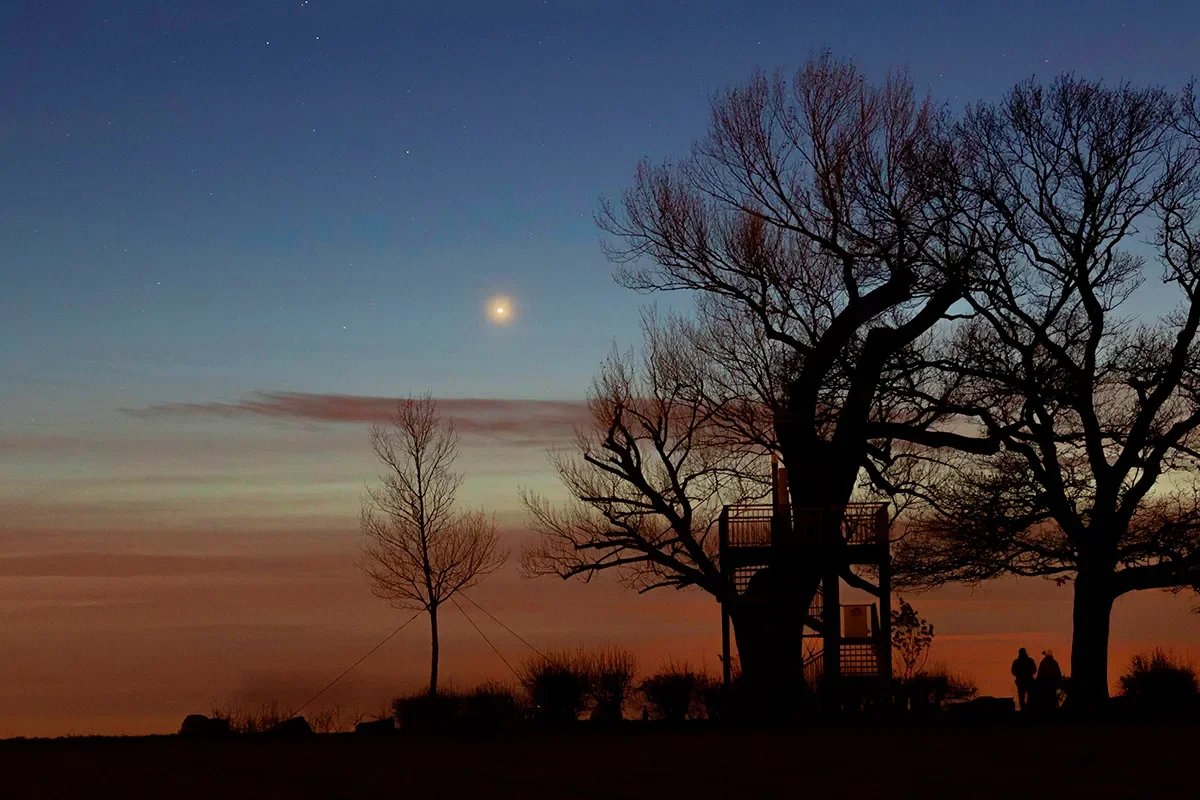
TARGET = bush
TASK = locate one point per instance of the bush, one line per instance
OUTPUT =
(558, 685)
(1155, 682)
(248, 721)
(673, 693)
(610, 681)
(714, 701)
(930, 690)
(491, 704)
(331, 719)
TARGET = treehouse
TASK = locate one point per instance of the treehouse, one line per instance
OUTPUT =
(846, 646)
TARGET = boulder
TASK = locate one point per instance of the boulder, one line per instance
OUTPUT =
(200, 725)
(378, 727)
(296, 726)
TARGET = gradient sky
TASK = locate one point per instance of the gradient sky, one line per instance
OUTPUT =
(202, 201)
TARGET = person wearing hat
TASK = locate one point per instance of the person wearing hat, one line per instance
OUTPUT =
(1024, 669)
(1049, 679)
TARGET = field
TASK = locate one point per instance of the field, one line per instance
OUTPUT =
(995, 762)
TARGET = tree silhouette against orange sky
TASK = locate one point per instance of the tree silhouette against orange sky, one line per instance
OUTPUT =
(420, 550)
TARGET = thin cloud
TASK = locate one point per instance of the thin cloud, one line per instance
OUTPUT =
(525, 421)
(141, 565)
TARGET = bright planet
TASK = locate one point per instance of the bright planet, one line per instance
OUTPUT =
(500, 310)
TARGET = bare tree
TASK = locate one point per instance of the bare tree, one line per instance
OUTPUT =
(824, 215)
(420, 550)
(649, 478)
(820, 225)
(1098, 412)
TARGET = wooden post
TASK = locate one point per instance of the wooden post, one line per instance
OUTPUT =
(727, 571)
(885, 599)
(831, 622)
(829, 536)
(726, 670)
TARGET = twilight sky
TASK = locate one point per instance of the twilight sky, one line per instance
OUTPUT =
(228, 228)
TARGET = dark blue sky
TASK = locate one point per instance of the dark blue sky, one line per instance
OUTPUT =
(200, 199)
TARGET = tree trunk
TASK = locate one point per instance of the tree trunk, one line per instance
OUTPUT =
(433, 653)
(1091, 619)
(820, 475)
(768, 626)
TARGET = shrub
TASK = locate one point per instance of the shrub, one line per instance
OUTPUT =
(912, 636)
(557, 685)
(247, 721)
(610, 681)
(674, 691)
(932, 689)
(1156, 682)
(490, 704)
(713, 700)
(329, 720)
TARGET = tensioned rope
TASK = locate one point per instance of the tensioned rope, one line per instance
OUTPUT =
(485, 638)
(356, 663)
(388, 638)
(502, 625)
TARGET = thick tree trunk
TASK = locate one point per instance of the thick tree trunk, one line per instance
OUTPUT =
(821, 479)
(1091, 619)
(768, 626)
(433, 653)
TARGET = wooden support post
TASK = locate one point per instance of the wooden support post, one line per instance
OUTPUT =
(885, 599)
(726, 671)
(727, 571)
(831, 622)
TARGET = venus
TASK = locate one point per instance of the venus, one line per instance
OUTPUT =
(500, 310)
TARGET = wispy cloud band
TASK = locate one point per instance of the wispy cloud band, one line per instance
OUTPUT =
(521, 421)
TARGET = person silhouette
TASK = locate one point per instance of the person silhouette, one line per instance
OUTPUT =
(1049, 679)
(1024, 669)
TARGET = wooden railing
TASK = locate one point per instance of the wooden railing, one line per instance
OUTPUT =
(751, 525)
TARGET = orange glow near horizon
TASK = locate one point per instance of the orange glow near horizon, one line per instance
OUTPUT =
(163, 568)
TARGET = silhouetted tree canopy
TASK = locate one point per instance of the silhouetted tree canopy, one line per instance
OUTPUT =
(649, 476)
(821, 226)
(1087, 191)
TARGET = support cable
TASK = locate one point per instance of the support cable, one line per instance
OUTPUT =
(486, 639)
(356, 663)
(502, 625)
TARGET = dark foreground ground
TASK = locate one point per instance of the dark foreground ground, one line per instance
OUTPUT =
(998, 762)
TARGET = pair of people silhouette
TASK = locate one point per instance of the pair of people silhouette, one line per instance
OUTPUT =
(1037, 684)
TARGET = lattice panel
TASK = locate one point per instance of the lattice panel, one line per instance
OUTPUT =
(742, 576)
(859, 659)
(817, 606)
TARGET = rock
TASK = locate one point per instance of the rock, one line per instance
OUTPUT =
(379, 727)
(296, 726)
(200, 725)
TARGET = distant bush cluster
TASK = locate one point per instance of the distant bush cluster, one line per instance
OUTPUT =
(602, 685)
(568, 685)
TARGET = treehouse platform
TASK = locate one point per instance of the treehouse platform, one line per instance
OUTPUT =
(849, 644)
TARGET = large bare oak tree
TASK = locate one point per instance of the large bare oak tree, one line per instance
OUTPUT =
(820, 225)
(1086, 188)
